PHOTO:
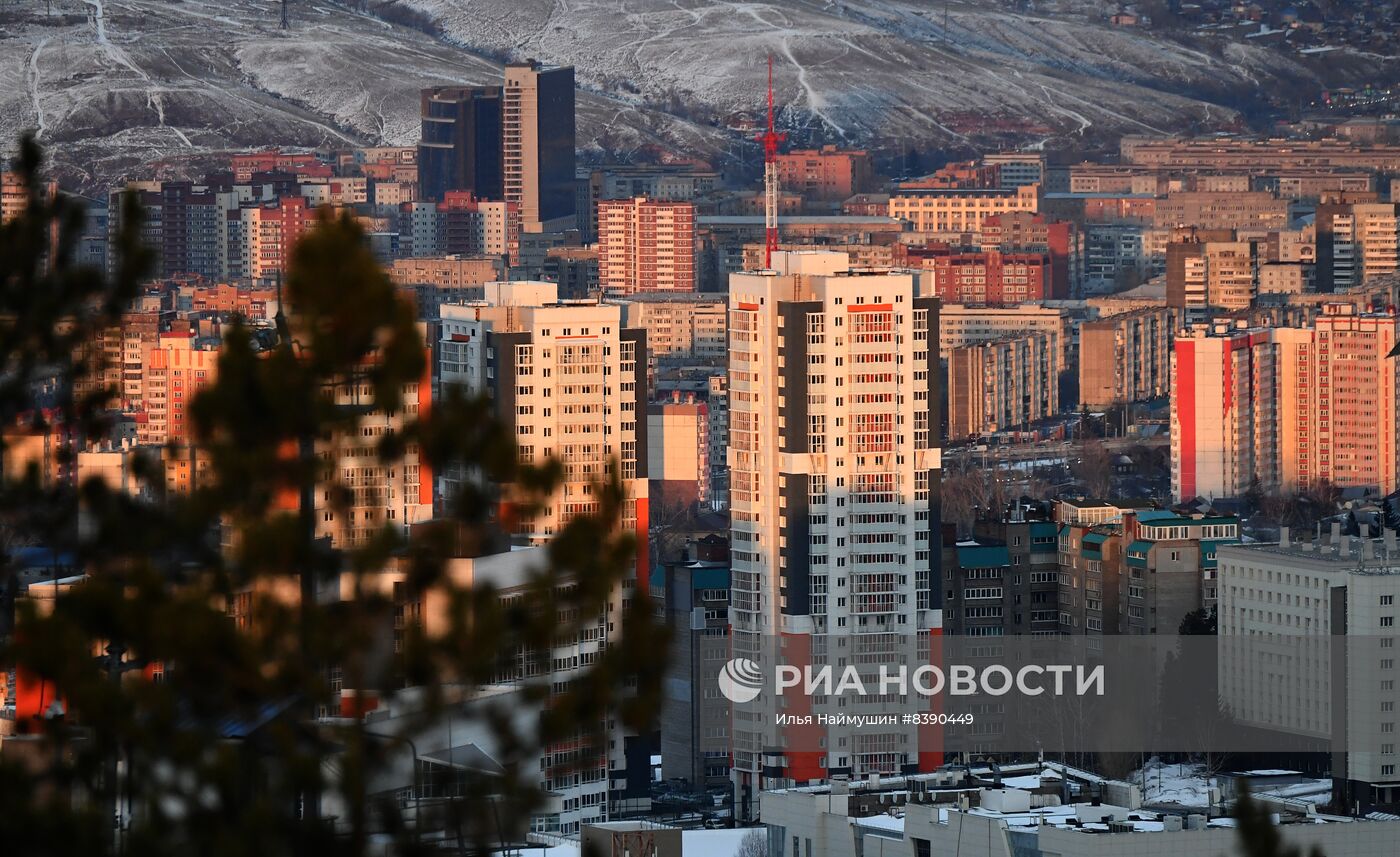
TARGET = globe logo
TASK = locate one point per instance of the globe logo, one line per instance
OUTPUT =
(741, 680)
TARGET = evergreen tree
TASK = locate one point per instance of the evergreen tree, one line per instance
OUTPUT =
(224, 755)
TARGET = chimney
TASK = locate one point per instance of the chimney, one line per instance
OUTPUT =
(1389, 536)
(1283, 535)
(1336, 534)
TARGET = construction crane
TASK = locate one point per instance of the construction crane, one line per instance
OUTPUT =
(770, 140)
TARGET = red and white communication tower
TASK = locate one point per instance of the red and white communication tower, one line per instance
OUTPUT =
(770, 140)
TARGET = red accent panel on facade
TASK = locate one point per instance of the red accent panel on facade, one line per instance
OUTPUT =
(1185, 382)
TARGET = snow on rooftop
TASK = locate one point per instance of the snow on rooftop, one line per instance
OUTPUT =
(891, 823)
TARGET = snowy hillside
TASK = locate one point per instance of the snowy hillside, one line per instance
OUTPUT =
(163, 83)
(113, 84)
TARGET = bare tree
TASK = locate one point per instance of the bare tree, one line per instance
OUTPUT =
(754, 844)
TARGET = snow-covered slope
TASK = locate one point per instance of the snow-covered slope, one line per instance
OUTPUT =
(117, 85)
(163, 83)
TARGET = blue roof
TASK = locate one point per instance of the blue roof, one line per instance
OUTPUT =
(982, 556)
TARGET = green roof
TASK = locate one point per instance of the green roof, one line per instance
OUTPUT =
(1208, 550)
(1093, 545)
(1043, 529)
(983, 556)
(1137, 553)
(716, 577)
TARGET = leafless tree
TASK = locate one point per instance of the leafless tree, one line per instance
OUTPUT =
(754, 844)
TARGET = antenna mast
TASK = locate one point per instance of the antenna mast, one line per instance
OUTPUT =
(770, 140)
(286, 23)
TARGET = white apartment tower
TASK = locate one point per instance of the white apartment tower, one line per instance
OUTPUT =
(834, 461)
(570, 380)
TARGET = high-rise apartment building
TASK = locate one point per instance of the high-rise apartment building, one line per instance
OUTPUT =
(678, 450)
(1126, 357)
(461, 142)
(1356, 242)
(646, 245)
(260, 237)
(570, 380)
(693, 592)
(13, 196)
(835, 464)
(1287, 407)
(1001, 385)
(1337, 398)
(174, 371)
(1223, 419)
(537, 145)
(470, 225)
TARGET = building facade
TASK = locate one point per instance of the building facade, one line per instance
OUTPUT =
(1001, 385)
(1126, 357)
(570, 381)
(835, 464)
(537, 145)
(646, 245)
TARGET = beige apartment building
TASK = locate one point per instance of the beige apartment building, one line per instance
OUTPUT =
(570, 380)
(960, 325)
(959, 209)
(1222, 210)
(1212, 269)
(1254, 156)
(1001, 385)
(1126, 357)
(448, 272)
(1336, 408)
(688, 326)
